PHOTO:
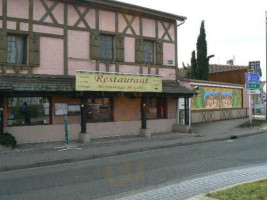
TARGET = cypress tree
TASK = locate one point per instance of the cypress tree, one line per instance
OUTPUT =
(202, 68)
(193, 65)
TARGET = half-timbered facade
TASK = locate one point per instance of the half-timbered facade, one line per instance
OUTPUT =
(44, 42)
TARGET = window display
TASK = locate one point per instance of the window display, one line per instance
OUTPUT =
(98, 109)
(28, 110)
(156, 108)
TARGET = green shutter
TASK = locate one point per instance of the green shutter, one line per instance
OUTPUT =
(34, 50)
(159, 50)
(3, 46)
(120, 48)
(139, 50)
(95, 46)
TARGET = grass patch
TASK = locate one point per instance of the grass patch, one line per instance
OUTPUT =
(255, 123)
(248, 191)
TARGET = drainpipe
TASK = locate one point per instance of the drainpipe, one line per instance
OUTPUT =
(178, 105)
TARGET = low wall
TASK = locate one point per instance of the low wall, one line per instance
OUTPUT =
(41, 133)
(216, 115)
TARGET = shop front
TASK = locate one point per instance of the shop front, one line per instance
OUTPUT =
(34, 108)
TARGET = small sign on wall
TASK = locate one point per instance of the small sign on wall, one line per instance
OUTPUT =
(170, 62)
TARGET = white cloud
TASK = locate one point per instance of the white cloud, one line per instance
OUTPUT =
(233, 28)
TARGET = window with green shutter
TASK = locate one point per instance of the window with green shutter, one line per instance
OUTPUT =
(148, 51)
(3, 46)
(106, 47)
(34, 50)
(17, 49)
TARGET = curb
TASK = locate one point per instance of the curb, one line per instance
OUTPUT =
(116, 153)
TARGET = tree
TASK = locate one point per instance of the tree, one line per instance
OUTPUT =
(191, 71)
(193, 64)
(202, 67)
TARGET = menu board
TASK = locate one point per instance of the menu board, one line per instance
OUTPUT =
(67, 109)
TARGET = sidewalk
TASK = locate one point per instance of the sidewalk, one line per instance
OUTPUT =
(51, 153)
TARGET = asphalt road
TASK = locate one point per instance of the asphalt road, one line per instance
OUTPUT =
(130, 173)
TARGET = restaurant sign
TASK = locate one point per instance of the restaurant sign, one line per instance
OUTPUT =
(96, 81)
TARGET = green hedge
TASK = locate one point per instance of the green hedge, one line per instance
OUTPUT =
(8, 140)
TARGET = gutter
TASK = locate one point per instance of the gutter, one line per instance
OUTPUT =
(130, 7)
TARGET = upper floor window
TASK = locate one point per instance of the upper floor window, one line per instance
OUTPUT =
(107, 47)
(148, 52)
(16, 49)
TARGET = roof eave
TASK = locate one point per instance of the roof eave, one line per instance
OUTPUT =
(135, 8)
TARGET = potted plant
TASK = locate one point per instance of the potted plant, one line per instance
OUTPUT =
(7, 140)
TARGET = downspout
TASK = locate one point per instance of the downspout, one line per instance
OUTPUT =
(178, 104)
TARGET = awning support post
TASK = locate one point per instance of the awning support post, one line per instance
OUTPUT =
(144, 131)
(83, 114)
(186, 110)
(143, 112)
(84, 137)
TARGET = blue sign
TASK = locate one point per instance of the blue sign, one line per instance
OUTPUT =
(25, 107)
(170, 62)
(252, 77)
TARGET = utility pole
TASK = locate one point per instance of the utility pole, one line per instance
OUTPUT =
(266, 66)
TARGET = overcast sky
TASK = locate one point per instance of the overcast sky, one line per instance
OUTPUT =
(234, 28)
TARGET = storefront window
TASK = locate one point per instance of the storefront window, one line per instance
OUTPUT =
(98, 109)
(28, 110)
(156, 108)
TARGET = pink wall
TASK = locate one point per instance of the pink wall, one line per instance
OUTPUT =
(47, 29)
(185, 84)
(51, 58)
(168, 74)
(149, 27)
(80, 65)
(24, 26)
(129, 69)
(1, 9)
(26, 134)
(18, 9)
(106, 21)
(73, 17)
(123, 24)
(38, 10)
(168, 53)
(78, 42)
(11, 25)
(129, 42)
(171, 31)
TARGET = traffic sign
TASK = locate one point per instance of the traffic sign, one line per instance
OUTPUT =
(252, 77)
(255, 66)
(252, 65)
(253, 91)
(253, 86)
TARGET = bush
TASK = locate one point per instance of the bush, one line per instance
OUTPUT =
(8, 140)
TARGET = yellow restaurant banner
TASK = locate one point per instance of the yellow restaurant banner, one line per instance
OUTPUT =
(91, 81)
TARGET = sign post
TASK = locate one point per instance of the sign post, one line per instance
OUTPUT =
(252, 84)
(266, 63)
(250, 109)
(66, 122)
